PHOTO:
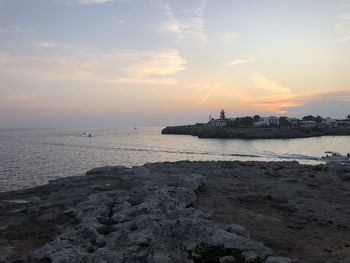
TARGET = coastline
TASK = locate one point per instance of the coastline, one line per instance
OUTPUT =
(203, 131)
(182, 212)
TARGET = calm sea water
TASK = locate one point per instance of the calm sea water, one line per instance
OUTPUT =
(33, 157)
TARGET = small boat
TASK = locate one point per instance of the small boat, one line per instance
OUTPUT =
(87, 135)
(336, 158)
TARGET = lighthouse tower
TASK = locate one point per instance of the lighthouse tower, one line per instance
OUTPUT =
(222, 115)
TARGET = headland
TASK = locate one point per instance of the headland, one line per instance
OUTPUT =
(206, 131)
(257, 127)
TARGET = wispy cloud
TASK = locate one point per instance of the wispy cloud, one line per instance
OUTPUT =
(91, 2)
(277, 98)
(270, 86)
(188, 27)
(48, 44)
(343, 28)
(210, 92)
(124, 67)
(273, 97)
(226, 35)
(18, 97)
(11, 29)
(240, 61)
(158, 63)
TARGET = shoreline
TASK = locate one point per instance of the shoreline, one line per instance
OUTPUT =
(252, 211)
(203, 131)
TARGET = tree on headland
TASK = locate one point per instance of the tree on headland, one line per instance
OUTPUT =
(284, 121)
(241, 122)
(348, 117)
(247, 121)
(319, 119)
(256, 118)
(309, 118)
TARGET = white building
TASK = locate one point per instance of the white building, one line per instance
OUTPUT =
(329, 122)
(267, 122)
(292, 121)
(218, 122)
(343, 123)
(308, 124)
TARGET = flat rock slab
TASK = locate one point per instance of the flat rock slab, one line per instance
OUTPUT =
(117, 214)
(180, 212)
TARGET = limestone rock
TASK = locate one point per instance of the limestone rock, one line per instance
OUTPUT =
(238, 230)
(278, 260)
(141, 215)
(227, 259)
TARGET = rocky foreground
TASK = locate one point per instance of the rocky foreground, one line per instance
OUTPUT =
(276, 212)
(204, 131)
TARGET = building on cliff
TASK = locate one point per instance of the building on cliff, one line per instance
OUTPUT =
(218, 122)
(271, 121)
(329, 122)
(307, 124)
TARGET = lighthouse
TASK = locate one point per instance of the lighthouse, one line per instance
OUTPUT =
(222, 121)
(222, 115)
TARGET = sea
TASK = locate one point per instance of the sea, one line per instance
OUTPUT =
(34, 157)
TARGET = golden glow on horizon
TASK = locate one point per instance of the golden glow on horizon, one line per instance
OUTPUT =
(155, 71)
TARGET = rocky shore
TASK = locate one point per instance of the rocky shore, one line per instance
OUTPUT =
(274, 212)
(203, 131)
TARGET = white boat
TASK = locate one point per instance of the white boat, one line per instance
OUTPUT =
(336, 158)
(87, 134)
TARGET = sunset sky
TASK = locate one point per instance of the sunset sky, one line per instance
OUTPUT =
(158, 62)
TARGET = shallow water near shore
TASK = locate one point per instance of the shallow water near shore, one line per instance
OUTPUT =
(33, 157)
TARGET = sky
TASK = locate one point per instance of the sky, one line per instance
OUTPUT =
(92, 63)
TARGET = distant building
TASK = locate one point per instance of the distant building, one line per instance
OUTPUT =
(329, 122)
(222, 115)
(293, 121)
(267, 122)
(307, 124)
(218, 122)
(343, 123)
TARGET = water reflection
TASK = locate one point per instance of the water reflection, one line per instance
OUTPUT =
(32, 157)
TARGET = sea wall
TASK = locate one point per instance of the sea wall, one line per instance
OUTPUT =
(203, 131)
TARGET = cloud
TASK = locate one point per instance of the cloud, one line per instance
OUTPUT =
(343, 28)
(225, 35)
(91, 2)
(188, 27)
(274, 97)
(270, 86)
(148, 81)
(345, 17)
(18, 97)
(326, 103)
(48, 44)
(11, 29)
(124, 67)
(209, 92)
(277, 98)
(158, 63)
(240, 61)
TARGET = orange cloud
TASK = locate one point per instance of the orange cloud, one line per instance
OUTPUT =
(276, 98)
